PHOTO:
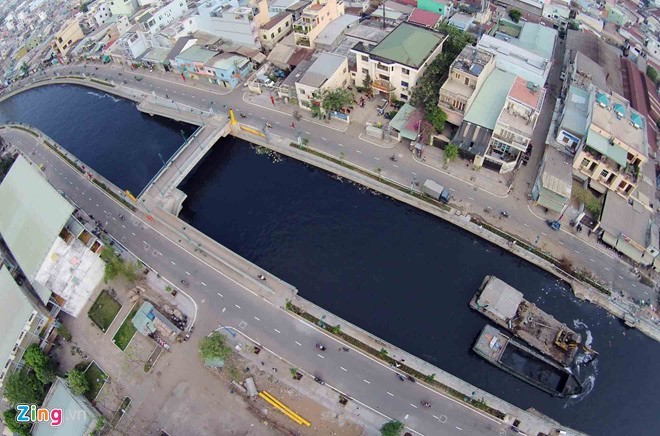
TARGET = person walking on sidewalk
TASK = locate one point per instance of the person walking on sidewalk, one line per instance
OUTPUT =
(293, 125)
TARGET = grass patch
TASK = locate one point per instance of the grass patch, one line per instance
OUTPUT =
(96, 378)
(124, 407)
(126, 331)
(104, 310)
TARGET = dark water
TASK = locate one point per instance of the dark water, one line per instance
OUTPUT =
(105, 132)
(394, 271)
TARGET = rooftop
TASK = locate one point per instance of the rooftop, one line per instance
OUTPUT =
(528, 93)
(227, 61)
(157, 54)
(601, 53)
(336, 28)
(587, 71)
(620, 217)
(472, 60)
(557, 173)
(30, 228)
(406, 121)
(516, 60)
(538, 39)
(461, 20)
(424, 18)
(613, 115)
(15, 310)
(576, 110)
(490, 100)
(60, 397)
(325, 65)
(409, 44)
(275, 20)
(500, 298)
(197, 54)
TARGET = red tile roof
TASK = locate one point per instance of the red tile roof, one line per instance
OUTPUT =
(424, 18)
(412, 3)
(639, 98)
(521, 92)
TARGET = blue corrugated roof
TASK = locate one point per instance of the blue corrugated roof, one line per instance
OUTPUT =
(619, 109)
(602, 99)
(636, 120)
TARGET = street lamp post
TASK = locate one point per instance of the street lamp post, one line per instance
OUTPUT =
(164, 164)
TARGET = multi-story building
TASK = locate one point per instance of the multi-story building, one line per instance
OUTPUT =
(442, 7)
(100, 13)
(225, 69)
(314, 19)
(466, 76)
(237, 21)
(614, 150)
(68, 35)
(155, 18)
(395, 64)
(123, 7)
(273, 31)
(329, 71)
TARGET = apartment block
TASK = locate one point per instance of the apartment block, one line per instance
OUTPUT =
(123, 7)
(329, 71)
(237, 21)
(156, 18)
(275, 30)
(614, 149)
(68, 35)
(467, 74)
(314, 19)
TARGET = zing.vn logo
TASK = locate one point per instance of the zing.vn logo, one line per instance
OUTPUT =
(30, 413)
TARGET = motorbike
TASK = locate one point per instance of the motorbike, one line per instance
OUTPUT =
(318, 380)
(122, 217)
(400, 377)
(243, 115)
(410, 377)
(320, 347)
(505, 214)
(426, 404)
(393, 158)
(297, 115)
(184, 283)
(262, 277)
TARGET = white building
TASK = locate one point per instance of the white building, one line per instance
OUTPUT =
(101, 13)
(328, 72)
(123, 7)
(233, 20)
(156, 18)
(42, 16)
(395, 64)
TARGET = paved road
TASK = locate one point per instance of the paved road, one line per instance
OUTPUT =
(225, 302)
(585, 254)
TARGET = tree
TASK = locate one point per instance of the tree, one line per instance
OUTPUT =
(392, 428)
(214, 347)
(336, 99)
(366, 83)
(515, 15)
(451, 152)
(24, 387)
(77, 382)
(42, 365)
(20, 428)
(652, 73)
(437, 117)
(115, 266)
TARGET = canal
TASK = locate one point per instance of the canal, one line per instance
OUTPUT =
(397, 272)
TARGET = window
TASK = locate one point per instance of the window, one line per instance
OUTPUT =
(344, 70)
(405, 71)
(404, 84)
(384, 77)
(604, 173)
(365, 58)
(585, 162)
(564, 139)
(302, 91)
(467, 81)
(365, 71)
(265, 36)
(272, 35)
(404, 97)
(279, 29)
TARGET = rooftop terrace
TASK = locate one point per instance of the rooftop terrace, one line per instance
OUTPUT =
(614, 117)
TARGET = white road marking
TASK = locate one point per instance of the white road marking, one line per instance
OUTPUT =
(277, 331)
(376, 158)
(123, 226)
(621, 277)
(203, 284)
(366, 381)
(413, 173)
(323, 138)
(633, 285)
(526, 225)
(488, 207)
(320, 356)
(607, 269)
(452, 189)
(257, 318)
(114, 219)
(458, 428)
(343, 369)
(133, 233)
(90, 199)
(187, 273)
(277, 122)
(97, 205)
(299, 344)
(395, 166)
(413, 405)
(221, 295)
(470, 198)
(341, 145)
(307, 133)
(172, 263)
(543, 234)
(237, 306)
(561, 243)
(390, 394)
(263, 118)
(359, 151)
(577, 252)
(592, 260)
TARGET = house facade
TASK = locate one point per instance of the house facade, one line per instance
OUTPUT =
(314, 19)
(328, 72)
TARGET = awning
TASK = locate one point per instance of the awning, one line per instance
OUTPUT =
(602, 145)
(630, 251)
(609, 239)
(550, 200)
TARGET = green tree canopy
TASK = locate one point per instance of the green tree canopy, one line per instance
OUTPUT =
(77, 382)
(20, 428)
(437, 117)
(652, 73)
(42, 365)
(451, 152)
(392, 428)
(336, 99)
(366, 83)
(115, 266)
(214, 347)
(515, 15)
(24, 387)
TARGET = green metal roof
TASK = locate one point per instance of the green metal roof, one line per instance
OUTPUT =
(15, 310)
(197, 54)
(78, 416)
(32, 215)
(538, 39)
(489, 102)
(408, 44)
(602, 145)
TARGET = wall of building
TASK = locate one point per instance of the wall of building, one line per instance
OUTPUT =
(270, 37)
(166, 15)
(69, 34)
(123, 7)
(339, 79)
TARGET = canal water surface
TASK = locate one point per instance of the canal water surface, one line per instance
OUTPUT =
(393, 270)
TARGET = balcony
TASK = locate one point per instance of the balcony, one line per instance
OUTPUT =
(382, 85)
(303, 41)
(303, 29)
(511, 141)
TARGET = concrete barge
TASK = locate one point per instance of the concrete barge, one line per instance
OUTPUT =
(506, 306)
(525, 363)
